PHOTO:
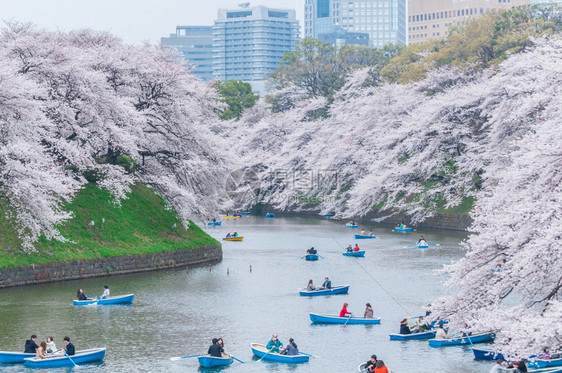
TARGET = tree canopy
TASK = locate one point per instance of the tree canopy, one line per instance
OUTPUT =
(237, 95)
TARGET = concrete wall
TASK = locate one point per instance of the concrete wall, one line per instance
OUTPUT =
(52, 272)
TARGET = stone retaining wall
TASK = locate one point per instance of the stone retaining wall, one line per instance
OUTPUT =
(51, 272)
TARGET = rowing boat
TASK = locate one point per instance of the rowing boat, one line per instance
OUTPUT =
(120, 299)
(321, 318)
(354, 253)
(9, 357)
(353, 226)
(207, 361)
(263, 353)
(311, 257)
(364, 236)
(239, 238)
(463, 340)
(412, 336)
(323, 291)
(214, 223)
(398, 229)
(270, 215)
(83, 356)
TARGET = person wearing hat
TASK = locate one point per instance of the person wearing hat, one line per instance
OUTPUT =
(215, 349)
(291, 349)
(274, 344)
(370, 365)
(404, 328)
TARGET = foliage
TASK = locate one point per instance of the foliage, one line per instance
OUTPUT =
(82, 107)
(143, 224)
(237, 95)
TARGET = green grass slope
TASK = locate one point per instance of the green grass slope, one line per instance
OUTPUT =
(143, 224)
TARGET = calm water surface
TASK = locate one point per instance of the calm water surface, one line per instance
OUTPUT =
(251, 294)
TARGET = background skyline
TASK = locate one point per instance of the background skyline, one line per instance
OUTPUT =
(133, 21)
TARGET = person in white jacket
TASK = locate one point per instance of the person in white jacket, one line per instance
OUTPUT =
(441, 333)
(105, 294)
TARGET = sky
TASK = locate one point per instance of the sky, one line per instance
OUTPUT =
(134, 21)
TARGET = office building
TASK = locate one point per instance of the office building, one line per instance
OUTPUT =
(383, 20)
(196, 45)
(249, 42)
(430, 19)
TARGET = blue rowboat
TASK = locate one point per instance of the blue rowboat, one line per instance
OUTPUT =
(311, 257)
(364, 236)
(214, 223)
(120, 299)
(466, 340)
(482, 353)
(362, 368)
(321, 318)
(263, 353)
(322, 291)
(270, 215)
(422, 246)
(328, 215)
(83, 356)
(207, 361)
(244, 213)
(398, 229)
(408, 337)
(8, 357)
(544, 363)
(353, 226)
(355, 253)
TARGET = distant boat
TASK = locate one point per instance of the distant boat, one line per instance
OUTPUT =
(207, 361)
(422, 245)
(270, 215)
(464, 340)
(244, 213)
(328, 215)
(311, 257)
(231, 217)
(364, 236)
(263, 353)
(362, 368)
(239, 238)
(544, 363)
(481, 353)
(119, 299)
(214, 223)
(408, 229)
(9, 357)
(407, 337)
(353, 226)
(360, 253)
(321, 318)
(82, 356)
(322, 291)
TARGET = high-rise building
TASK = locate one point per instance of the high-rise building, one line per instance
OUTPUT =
(430, 19)
(249, 42)
(196, 45)
(383, 20)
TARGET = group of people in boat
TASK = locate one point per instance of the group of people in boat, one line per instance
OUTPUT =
(82, 296)
(217, 349)
(235, 234)
(351, 249)
(420, 326)
(375, 365)
(312, 251)
(274, 346)
(327, 284)
(47, 349)
(368, 313)
(363, 233)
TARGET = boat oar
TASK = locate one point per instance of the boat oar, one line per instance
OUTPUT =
(235, 358)
(467, 336)
(304, 353)
(434, 244)
(321, 256)
(267, 353)
(175, 358)
(68, 356)
(348, 317)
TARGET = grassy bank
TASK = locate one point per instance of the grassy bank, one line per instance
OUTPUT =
(141, 225)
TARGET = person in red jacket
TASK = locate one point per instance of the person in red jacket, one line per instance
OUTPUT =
(356, 248)
(344, 312)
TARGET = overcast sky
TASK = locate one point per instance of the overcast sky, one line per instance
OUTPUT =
(134, 21)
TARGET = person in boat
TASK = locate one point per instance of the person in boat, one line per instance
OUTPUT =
(41, 352)
(215, 349)
(371, 364)
(521, 367)
(214, 220)
(344, 312)
(274, 344)
(327, 284)
(31, 345)
(368, 314)
(235, 234)
(422, 240)
(51, 346)
(441, 333)
(363, 232)
(68, 346)
(420, 326)
(291, 349)
(349, 249)
(380, 367)
(312, 251)
(105, 294)
(310, 286)
(80, 295)
(498, 367)
(221, 343)
(356, 248)
(228, 235)
(371, 233)
(404, 328)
